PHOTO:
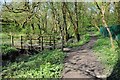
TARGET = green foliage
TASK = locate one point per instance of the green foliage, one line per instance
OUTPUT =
(118, 37)
(3, 35)
(106, 54)
(97, 33)
(6, 48)
(47, 64)
(55, 58)
(85, 38)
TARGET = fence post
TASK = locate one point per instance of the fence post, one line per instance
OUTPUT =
(62, 40)
(50, 41)
(21, 42)
(12, 40)
(42, 43)
(54, 42)
(31, 43)
(39, 42)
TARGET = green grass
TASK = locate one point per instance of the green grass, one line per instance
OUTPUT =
(4, 38)
(46, 64)
(85, 38)
(106, 54)
(97, 33)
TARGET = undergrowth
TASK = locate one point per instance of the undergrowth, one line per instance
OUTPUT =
(85, 38)
(6, 48)
(106, 54)
(46, 64)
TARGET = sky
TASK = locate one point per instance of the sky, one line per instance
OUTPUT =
(2, 1)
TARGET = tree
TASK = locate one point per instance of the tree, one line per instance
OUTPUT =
(118, 11)
(118, 21)
(102, 12)
(74, 22)
(64, 20)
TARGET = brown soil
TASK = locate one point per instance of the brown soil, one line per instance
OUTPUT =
(82, 63)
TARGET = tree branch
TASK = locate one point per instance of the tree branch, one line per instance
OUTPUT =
(98, 6)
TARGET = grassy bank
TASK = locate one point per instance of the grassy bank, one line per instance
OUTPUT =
(84, 38)
(47, 64)
(107, 55)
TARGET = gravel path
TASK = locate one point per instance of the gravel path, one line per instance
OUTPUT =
(82, 63)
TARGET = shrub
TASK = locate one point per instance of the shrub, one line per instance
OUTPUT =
(6, 49)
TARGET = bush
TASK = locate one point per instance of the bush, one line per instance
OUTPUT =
(6, 49)
(55, 57)
(85, 38)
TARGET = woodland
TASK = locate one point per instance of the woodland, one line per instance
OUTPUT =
(60, 40)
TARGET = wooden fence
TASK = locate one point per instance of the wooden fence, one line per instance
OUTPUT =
(40, 42)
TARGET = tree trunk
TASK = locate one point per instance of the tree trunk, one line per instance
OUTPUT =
(104, 22)
(96, 25)
(111, 39)
(65, 24)
(102, 11)
(39, 28)
(61, 28)
(75, 23)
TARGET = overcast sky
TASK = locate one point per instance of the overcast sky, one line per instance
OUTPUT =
(2, 1)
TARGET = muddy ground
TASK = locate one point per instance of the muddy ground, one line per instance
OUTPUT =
(82, 63)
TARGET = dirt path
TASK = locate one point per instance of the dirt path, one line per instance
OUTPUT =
(82, 63)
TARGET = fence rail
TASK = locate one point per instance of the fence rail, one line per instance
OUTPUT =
(41, 42)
